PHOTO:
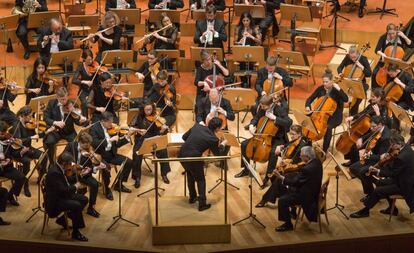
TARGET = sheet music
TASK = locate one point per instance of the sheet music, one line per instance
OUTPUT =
(175, 137)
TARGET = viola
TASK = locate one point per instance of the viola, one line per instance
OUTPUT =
(156, 119)
(388, 157)
(288, 153)
(40, 125)
(288, 168)
(94, 67)
(154, 69)
(96, 159)
(116, 95)
(371, 143)
(15, 143)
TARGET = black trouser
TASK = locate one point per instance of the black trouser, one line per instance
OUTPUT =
(265, 23)
(362, 4)
(118, 160)
(93, 185)
(359, 171)
(384, 189)
(272, 156)
(195, 173)
(16, 176)
(286, 201)
(276, 190)
(328, 136)
(52, 138)
(74, 206)
(137, 163)
(83, 97)
(3, 199)
(27, 159)
(353, 155)
(170, 118)
(22, 32)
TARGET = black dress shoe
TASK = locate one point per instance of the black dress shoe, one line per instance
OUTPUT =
(165, 179)
(293, 213)
(242, 173)
(265, 181)
(360, 12)
(360, 214)
(26, 190)
(387, 211)
(92, 212)
(137, 183)
(62, 222)
(79, 237)
(3, 222)
(13, 201)
(204, 207)
(109, 195)
(261, 204)
(285, 227)
(123, 189)
(193, 200)
(347, 164)
(363, 199)
(26, 55)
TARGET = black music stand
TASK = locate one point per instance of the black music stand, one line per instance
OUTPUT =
(154, 15)
(335, 14)
(65, 59)
(383, 11)
(119, 216)
(248, 54)
(8, 24)
(128, 17)
(335, 30)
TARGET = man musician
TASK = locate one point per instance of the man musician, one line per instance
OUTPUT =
(220, 5)
(165, 4)
(209, 105)
(210, 32)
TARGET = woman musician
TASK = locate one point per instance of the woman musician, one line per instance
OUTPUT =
(37, 84)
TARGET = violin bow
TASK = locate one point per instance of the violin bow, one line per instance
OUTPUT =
(74, 103)
(163, 94)
(90, 154)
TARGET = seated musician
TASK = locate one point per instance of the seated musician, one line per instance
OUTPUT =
(210, 32)
(27, 153)
(270, 19)
(55, 38)
(376, 142)
(329, 89)
(7, 169)
(274, 109)
(147, 72)
(37, 85)
(100, 101)
(398, 178)
(291, 156)
(207, 69)
(84, 155)
(107, 146)
(7, 96)
(109, 38)
(58, 114)
(164, 95)
(165, 4)
(60, 196)
(3, 202)
(305, 189)
(83, 78)
(388, 39)
(22, 30)
(220, 5)
(377, 107)
(146, 125)
(350, 59)
(197, 140)
(165, 39)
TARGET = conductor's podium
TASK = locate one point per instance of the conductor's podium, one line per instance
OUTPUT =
(181, 223)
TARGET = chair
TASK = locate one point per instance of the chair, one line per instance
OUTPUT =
(60, 143)
(393, 199)
(321, 205)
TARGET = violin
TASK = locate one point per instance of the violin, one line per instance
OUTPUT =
(371, 143)
(288, 168)
(94, 67)
(288, 153)
(116, 95)
(389, 156)
(153, 70)
(10, 85)
(41, 126)
(96, 159)
(156, 119)
(8, 139)
(117, 130)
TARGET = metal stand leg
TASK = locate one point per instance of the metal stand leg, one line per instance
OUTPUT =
(383, 11)
(337, 205)
(38, 208)
(221, 180)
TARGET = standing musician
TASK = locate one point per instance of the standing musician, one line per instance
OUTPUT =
(332, 90)
(206, 69)
(58, 114)
(376, 142)
(362, 63)
(196, 141)
(399, 178)
(90, 163)
(165, 4)
(22, 30)
(7, 169)
(164, 95)
(290, 155)
(306, 187)
(107, 146)
(392, 37)
(101, 100)
(148, 71)
(220, 5)
(108, 35)
(53, 39)
(210, 32)
(37, 84)
(3, 203)
(274, 109)
(145, 125)
(60, 196)
(6, 96)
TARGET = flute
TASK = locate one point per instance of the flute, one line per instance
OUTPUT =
(98, 32)
(151, 34)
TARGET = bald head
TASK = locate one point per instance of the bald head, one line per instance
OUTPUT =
(214, 96)
(55, 25)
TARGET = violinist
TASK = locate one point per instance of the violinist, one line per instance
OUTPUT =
(297, 141)
(399, 180)
(37, 85)
(27, 153)
(329, 89)
(7, 169)
(362, 63)
(393, 36)
(58, 115)
(220, 5)
(60, 196)
(374, 144)
(164, 97)
(100, 101)
(90, 164)
(211, 31)
(6, 96)
(275, 109)
(206, 69)
(148, 71)
(146, 125)
(107, 146)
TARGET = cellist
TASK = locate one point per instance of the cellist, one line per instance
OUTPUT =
(275, 109)
(333, 90)
(393, 35)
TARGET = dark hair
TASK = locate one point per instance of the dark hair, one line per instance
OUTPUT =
(214, 124)
(24, 111)
(145, 103)
(296, 128)
(61, 92)
(378, 92)
(211, 8)
(393, 67)
(377, 120)
(87, 52)
(3, 126)
(84, 137)
(328, 74)
(153, 52)
(37, 62)
(65, 158)
(162, 75)
(107, 116)
(104, 76)
(266, 100)
(396, 137)
(243, 16)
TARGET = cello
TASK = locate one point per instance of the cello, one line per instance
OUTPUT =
(214, 80)
(393, 91)
(272, 85)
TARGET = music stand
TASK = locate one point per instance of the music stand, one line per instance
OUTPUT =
(128, 17)
(154, 15)
(248, 54)
(295, 13)
(258, 180)
(38, 104)
(164, 54)
(401, 64)
(257, 11)
(401, 114)
(151, 145)
(65, 59)
(383, 11)
(352, 88)
(232, 141)
(83, 24)
(6, 24)
(305, 121)
(119, 216)
(201, 15)
(40, 19)
(196, 51)
(241, 99)
(117, 57)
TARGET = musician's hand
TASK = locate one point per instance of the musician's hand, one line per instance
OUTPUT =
(101, 166)
(206, 87)
(4, 161)
(90, 37)
(246, 2)
(336, 86)
(56, 38)
(224, 143)
(34, 137)
(86, 171)
(360, 65)
(78, 185)
(82, 119)
(383, 156)
(142, 131)
(263, 2)
(100, 109)
(252, 129)
(35, 91)
(263, 93)
(376, 110)
(36, 4)
(358, 143)
(373, 170)
(45, 40)
(164, 128)
(114, 138)
(24, 150)
(398, 81)
(169, 103)
(193, 7)
(202, 123)
(59, 124)
(139, 76)
(156, 35)
(217, 62)
(270, 115)
(401, 34)
(307, 109)
(349, 119)
(277, 76)
(88, 83)
(221, 110)
(278, 150)
(204, 34)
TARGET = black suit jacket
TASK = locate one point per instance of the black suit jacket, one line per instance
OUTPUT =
(199, 139)
(173, 5)
(204, 107)
(111, 4)
(65, 41)
(98, 135)
(262, 75)
(381, 146)
(219, 26)
(56, 188)
(307, 183)
(52, 113)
